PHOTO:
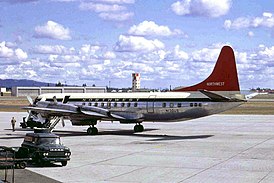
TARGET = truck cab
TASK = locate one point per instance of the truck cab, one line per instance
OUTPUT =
(45, 147)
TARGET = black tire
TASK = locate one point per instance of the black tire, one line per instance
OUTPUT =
(92, 131)
(138, 128)
(22, 165)
(64, 163)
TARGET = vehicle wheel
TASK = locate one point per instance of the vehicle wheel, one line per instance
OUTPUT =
(64, 163)
(92, 131)
(22, 165)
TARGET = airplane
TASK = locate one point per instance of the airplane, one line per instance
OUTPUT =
(219, 92)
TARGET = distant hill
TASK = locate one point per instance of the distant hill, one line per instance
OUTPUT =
(9, 83)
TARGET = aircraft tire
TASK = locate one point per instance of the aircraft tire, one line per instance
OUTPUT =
(92, 131)
(138, 128)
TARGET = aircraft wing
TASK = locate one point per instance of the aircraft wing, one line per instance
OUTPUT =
(50, 111)
(88, 111)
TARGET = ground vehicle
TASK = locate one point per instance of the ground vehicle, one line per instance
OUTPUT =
(44, 148)
(10, 158)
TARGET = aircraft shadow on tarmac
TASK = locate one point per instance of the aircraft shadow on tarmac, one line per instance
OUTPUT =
(154, 137)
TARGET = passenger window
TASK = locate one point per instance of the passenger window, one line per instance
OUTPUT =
(191, 104)
(89, 104)
(109, 105)
(135, 104)
(115, 104)
(122, 104)
(200, 104)
(195, 104)
(84, 103)
(171, 105)
(179, 105)
(96, 104)
(102, 104)
(128, 104)
(164, 104)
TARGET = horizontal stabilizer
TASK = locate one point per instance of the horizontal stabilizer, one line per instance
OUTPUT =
(214, 96)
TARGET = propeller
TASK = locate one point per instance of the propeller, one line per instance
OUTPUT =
(30, 100)
(62, 120)
(55, 100)
(29, 111)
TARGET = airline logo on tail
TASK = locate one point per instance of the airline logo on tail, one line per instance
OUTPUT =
(224, 76)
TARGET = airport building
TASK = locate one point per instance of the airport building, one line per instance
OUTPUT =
(136, 77)
(35, 91)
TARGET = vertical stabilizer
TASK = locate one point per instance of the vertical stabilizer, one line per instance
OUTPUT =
(224, 76)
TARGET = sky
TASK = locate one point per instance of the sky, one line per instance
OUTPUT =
(102, 42)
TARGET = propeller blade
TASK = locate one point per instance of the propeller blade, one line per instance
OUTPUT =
(30, 100)
(62, 120)
(55, 99)
(28, 116)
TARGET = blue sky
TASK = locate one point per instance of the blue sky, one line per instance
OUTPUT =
(169, 42)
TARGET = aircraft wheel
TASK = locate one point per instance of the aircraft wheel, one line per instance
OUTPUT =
(138, 128)
(92, 131)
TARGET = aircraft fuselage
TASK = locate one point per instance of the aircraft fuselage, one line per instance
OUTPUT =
(139, 107)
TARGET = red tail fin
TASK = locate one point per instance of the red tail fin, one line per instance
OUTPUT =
(224, 76)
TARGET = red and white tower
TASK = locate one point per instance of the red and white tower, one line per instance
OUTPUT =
(136, 77)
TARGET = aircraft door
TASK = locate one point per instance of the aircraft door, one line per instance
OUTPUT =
(150, 103)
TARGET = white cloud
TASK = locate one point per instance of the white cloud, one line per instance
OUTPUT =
(119, 1)
(180, 54)
(206, 54)
(250, 34)
(9, 53)
(53, 49)
(209, 8)
(266, 20)
(88, 49)
(137, 44)
(20, 54)
(52, 30)
(98, 8)
(177, 54)
(122, 16)
(266, 53)
(150, 28)
(5, 52)
(111, 10)
(109, 55)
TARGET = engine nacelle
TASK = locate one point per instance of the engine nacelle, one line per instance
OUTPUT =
(84, 122)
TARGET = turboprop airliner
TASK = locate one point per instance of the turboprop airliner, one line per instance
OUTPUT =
(219, 92)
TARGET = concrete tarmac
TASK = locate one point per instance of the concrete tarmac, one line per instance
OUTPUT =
(218, 148)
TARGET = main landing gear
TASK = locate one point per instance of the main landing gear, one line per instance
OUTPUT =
(138, 128)
(92, 131)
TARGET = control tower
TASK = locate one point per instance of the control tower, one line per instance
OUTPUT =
(136, 77)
